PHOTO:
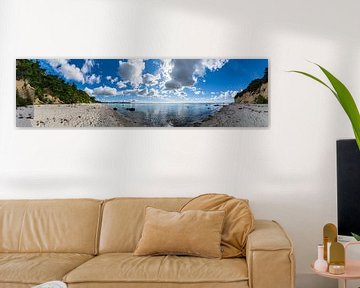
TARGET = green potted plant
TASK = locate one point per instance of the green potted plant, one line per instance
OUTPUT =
(345, 99)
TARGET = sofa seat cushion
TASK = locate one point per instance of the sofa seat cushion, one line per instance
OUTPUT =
(36, 268)
(125, 267)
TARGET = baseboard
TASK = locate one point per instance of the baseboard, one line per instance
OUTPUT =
(310, 280)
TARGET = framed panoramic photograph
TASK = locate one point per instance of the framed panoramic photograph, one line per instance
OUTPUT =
(142, 93)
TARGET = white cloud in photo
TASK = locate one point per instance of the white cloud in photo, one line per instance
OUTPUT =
(69, 71)
(194, 89)
(152, 92)
(150, 79)
(72, 72)
(141, 92)
(120, 84)
(137, 92)
(180, 94)
(105, 90)
(165, 67)
(128, 92)
(93, 79)
(214, 64)
(86, 68)
(131, 71)
(112, 79)
(226, 96)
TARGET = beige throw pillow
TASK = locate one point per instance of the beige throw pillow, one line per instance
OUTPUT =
(239, 220)
(194, 232)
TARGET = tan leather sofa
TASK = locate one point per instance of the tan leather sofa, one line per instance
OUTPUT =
(89, 243)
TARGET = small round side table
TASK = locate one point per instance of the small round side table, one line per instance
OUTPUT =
(352, 269)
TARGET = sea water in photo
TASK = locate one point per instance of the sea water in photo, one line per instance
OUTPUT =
(167, 114)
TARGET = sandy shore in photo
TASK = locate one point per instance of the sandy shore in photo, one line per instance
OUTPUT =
(101, 115)
(70, 115)
(239, 115)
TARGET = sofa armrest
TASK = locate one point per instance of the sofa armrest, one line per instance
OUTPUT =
(269, 256)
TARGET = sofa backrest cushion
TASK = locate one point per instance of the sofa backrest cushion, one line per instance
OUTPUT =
(123, 220)
(64, 226)
(239, 220)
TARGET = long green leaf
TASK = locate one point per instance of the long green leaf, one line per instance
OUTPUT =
(357, 237)
(344, 97)
(347, 102)
(357, 137)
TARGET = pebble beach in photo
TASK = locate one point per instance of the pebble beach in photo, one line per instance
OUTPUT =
(102, 115)
(69, 115)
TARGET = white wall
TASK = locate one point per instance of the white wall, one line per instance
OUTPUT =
(287, 171)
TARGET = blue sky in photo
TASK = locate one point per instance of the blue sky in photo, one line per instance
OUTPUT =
(158, 80)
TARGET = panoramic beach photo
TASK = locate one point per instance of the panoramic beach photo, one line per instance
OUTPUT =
(142, 93)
